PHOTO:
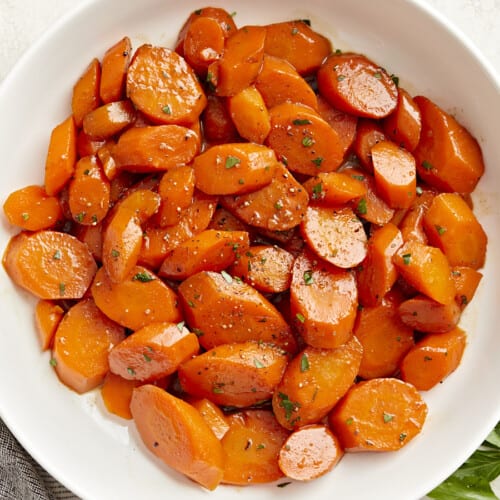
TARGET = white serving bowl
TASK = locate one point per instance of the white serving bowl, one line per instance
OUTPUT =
(99, 456)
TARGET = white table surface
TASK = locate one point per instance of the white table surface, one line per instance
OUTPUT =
(23, 21)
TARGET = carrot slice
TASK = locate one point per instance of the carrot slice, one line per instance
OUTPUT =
(210, 250)
(176, 433)
(303, 140)
(334, 188)
(234, 168)
(251, 447)
(337, 236)
(142, 298)
(81, 345)
(368, 133)
(466, 281)
(85, 96)
(150, 86)
(48, 315)
(378, 415)
(116, 393)
(114, 70)
(50, 264)
(323, 300)
(109, 119)
(237, 374)
(296, 42)
(384, 337)
(411, 226)
(310, 452)
(224, 310)
(31, 208)
(153, 351)
(218, 127)
(356, 85)
(448, 156)
(313, 383)
(61, 156)
(212, 415)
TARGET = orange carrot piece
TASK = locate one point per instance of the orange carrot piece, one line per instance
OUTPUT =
(108, 119)
(48, 315)
(313, 383)
(153, 351)
(137, 301)
(50, 264)
(142, 200)
(114, 70)
(411, 226)
(453, 227)
(218, 127)
(104, 153)
(448, 156)
(323, 300)
(61, 156)
(433, 358)
(210, 250)
(239, 374)
(86, 145)
(466, 281)
(92, 237)
(224, 310)
(223, 220)
(162, 86)
(116, 393)
(368, 134)
(176, 433)
(310, 452)
(378, 415)
(251, 447)
(395, 174)
(334, 188)
(81, 345)
(85, 96)
(384, 337)
(32, 209)
(337, 236)
(212, 415)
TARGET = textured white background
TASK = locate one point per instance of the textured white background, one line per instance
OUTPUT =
(23, 21)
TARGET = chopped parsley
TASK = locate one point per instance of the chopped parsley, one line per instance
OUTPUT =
(299, 121)
(307, 141)
(143, 277)
(300, 317)
(406, 258)
(318, 161)
(308, 277)
(232, 161)
(388, 417)
(227, 277)
(427, 165)
(166, 109)
(362, 208)
(304, 363)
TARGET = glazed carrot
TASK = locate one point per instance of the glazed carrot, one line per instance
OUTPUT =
(313, 383)
(50, 264)
(432, 359)
(267, 268)
(86, 145)
(212, 415)
(89, 192)
(378, 415)
(141, 199)
(144, 149)
(218, 127)
(278, 206)
(427, 315)
(251, 447)
(368, 133)
(104, 153)
(384, 337)
(303, 140)
(466, 281)
(278, 82)
(378, 273)
(224, 310)
(297, 43)
(356, 85)
(411, 226)
(223, 220)
(32, 209)
(404, 124)
(344, 124)
(210, 250)
(309, 453)
(48, 315)
(237, 374)
(241, 60)
(249, 114)
(234, 168)
(177, 434)
(426, 268)
(395, 174)
(61, 156)
(85, 96)
(203, 43)
(114, 71)
(153, 351)
(448, 156)
(337, 235)
(92, 237)
(451, 225)
(163, 87)
(323, 300)
(116, 393)
(137, 301)
(81, 345)
(109, 119)
(334, 188)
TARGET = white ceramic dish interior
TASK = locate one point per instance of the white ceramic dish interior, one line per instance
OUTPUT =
(101, 457)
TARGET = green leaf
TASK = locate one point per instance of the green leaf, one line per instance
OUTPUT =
(494, 436)
(484, 463)
(467, 488)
